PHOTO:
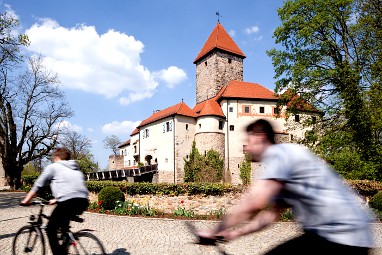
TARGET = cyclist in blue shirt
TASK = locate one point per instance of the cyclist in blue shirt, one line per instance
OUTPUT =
(293, 177)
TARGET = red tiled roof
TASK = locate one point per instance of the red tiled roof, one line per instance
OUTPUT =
(124, 144)
(219, 39)
(136, 131)
(208, 107)
(297, 102)
(241, 89)
(179, 109)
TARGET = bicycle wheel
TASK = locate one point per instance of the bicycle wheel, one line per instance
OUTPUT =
(86, 244)
(28, 240)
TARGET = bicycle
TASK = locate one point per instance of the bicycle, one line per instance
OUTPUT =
(29, 239)
(206, 241)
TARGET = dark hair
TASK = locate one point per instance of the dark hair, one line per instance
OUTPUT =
(262, 126)
(63, 153)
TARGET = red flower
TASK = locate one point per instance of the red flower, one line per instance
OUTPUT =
(182, 201)
(99, 202)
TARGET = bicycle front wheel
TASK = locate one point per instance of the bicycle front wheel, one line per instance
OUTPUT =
(28, 240)
(86, 244)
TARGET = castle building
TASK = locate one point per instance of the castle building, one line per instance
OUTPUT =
(225, 105)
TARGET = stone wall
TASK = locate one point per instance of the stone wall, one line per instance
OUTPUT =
(115, 162)
(163, 177)
(207, 141)
(215, 71)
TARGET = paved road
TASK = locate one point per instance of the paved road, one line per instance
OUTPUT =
(142, 236)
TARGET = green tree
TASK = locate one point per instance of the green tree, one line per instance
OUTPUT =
(200, 168)
(245, 170)
(325, 59)
(192, 164)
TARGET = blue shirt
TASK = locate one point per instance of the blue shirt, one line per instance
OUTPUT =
(65, 178)
(320, 200)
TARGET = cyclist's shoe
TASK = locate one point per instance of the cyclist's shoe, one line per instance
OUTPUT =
(200, 240)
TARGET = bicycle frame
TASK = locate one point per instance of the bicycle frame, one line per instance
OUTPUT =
(67, 237)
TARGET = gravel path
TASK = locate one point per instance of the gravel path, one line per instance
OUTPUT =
(142, 236)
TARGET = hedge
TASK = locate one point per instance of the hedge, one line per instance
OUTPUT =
(142, 188)
(365, 188)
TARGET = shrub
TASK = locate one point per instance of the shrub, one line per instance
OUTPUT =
(376, 201)
(203, 168)
(245, 170)
(109, 196)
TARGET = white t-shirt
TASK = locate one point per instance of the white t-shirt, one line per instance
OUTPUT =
(319, 199)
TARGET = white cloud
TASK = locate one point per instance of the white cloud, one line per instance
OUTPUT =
(252, 30)
(259, 38)
(66, 125)
(108, 64)
(232, 33)
(172, 76)
(120, 128)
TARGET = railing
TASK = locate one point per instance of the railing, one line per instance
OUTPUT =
(122, 174)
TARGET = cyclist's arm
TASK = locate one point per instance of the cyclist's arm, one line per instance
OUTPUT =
(259, 197)
(261, 220)
(31, 194)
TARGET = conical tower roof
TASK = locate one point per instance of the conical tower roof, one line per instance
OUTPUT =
(219, 39)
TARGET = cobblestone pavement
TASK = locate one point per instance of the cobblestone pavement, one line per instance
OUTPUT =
(142, 236)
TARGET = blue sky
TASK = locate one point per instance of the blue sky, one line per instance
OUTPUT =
(120, 60)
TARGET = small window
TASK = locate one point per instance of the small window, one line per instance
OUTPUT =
(231, 127)
(246, 109)
(230, 109)
(261, 109)
(244, 148)
(297, 118)
(275, 110)
(314, 119)
(229, 61)
(167, 126)
(221, 125)
(128, 163)
(200, 126)
(205, 63)
(291, 137)
(166, 160)
(186, 126)
(135, 149)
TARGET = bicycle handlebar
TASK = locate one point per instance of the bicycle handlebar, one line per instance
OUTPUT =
(36, 202)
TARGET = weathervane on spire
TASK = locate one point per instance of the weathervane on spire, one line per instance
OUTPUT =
(218, 14)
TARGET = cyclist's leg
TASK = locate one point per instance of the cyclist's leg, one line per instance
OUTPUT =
(79, 205)
(313, 244)
(58, 219)
(294, 246)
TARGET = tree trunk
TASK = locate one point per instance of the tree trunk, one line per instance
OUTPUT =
(13, 177)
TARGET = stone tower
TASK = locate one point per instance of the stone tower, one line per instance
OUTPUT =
(219, 61)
